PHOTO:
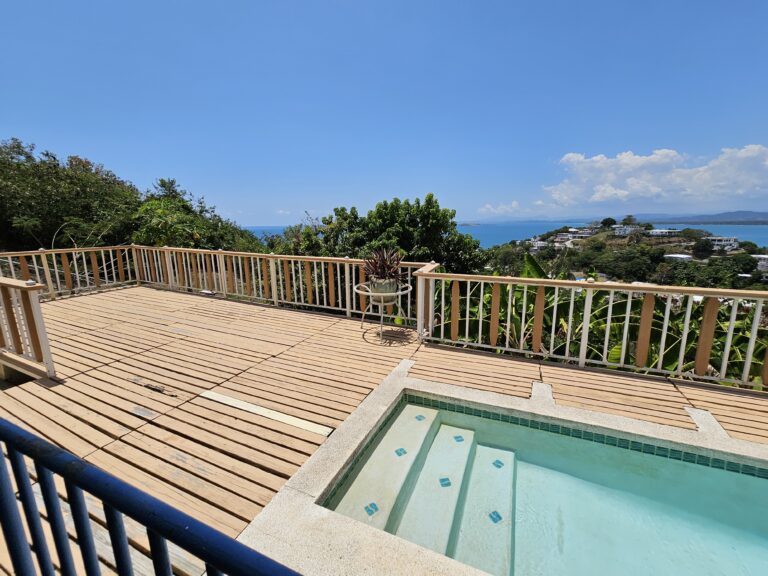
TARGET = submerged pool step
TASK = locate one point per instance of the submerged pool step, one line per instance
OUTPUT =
(429, 513)
(484, 539)
(372, 496)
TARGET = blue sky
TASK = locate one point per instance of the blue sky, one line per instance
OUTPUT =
(504, 110)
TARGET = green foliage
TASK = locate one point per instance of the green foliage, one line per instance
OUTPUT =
(607, 222)
(421, 230)
(169, 216)
(48, 203)
(628, 220)
(702, 248)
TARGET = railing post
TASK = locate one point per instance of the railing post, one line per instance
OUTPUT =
(347, 287)
(168, 267)
(135, 255)
(222, 272)
(430, 320)
(47, 272)
(273, 280)
(420, 307)
(585, 328)
(42, 335)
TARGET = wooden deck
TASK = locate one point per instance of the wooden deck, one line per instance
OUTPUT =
(168, 391)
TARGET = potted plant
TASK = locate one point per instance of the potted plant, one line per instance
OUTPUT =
(383, 271)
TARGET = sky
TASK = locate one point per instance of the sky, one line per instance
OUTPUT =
(504, 110)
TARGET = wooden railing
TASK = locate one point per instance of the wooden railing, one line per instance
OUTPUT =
(23, 339)
(70, 271)
(311, 282)
(699, 333)
(686, 332)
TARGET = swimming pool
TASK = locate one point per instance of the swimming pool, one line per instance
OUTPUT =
(514, 495)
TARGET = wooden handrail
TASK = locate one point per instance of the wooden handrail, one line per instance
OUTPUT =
(617, 286)
(23, 285)
(201, 251)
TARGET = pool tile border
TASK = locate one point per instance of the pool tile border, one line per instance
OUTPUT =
(575, 432)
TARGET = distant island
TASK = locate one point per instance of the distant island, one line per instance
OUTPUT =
(736, 217)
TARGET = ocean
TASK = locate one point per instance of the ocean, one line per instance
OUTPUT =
(494, 234)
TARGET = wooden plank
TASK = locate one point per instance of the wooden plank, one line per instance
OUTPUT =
(120, 265)
(266, 284)
(493, 334)
(287, 267)
(230, 268)
(208, 263)
(706, 335)
(29, 320)
(10, 318)
(24, 268)
(644, 331)
(66, 270)
(308, 282)
(195, 270)
(95, 269)
(247, 265)
(538, 318)
(152, 268)
(363, 298)
(455, 308)
(181, 273)
(162, 255)
(331, 281)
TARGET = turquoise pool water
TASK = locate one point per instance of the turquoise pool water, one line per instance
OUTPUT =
(510, 499)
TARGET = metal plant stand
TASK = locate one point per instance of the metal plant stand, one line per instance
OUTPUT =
(381, 300)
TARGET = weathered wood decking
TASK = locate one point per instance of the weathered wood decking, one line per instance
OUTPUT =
(144, 372)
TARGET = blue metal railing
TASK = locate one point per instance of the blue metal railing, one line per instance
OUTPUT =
(220, 553)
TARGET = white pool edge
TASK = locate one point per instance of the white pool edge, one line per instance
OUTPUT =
(297, 531)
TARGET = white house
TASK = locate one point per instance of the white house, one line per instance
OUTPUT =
(724, 242)
(762, 262)
(664, 232)
(625, 229)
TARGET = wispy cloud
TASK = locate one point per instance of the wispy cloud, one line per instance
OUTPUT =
(663, 176)
(500, 209)
(282, 212)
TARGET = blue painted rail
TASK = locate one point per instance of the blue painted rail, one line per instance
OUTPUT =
(220, 553)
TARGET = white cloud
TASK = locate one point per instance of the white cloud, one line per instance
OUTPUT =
(500, 209)
(283, 212)
(664, 176)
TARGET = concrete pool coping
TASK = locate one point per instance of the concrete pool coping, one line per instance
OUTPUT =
(296, 530)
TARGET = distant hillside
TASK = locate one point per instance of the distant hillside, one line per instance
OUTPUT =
(736, 217)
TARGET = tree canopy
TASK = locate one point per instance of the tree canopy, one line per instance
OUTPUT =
(49, 203)
(421, 230)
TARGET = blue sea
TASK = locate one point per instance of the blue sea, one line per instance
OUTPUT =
(494, 234)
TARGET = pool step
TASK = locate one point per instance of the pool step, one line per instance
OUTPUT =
(429, 514)
(485, 538)
(372, 496)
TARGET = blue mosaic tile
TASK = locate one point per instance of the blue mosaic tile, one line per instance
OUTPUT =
(498, 463)
(445, 482)
(371, 509)
(459, 438)
(495, 517)
(401, 452)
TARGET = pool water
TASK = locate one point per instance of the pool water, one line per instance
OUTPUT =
(509, 499)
